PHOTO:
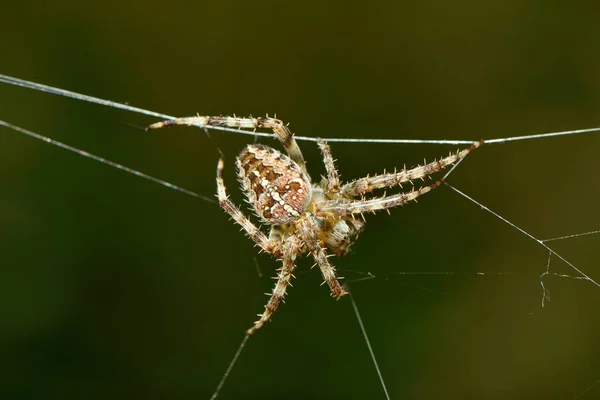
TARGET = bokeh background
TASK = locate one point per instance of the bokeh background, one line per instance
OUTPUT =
(115, 287)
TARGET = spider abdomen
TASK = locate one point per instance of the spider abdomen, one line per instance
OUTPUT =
(275, 185)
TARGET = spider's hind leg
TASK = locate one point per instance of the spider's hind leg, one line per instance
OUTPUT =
(285, 275)
(267, 244)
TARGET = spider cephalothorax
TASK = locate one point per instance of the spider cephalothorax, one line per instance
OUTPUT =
(305, 217)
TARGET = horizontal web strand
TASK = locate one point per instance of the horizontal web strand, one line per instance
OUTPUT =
(66, 93)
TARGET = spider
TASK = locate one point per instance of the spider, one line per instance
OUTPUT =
(305, 217)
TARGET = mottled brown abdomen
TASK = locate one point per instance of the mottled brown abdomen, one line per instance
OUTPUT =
(275, 185)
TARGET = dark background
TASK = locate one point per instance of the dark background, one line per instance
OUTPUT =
(115, 287)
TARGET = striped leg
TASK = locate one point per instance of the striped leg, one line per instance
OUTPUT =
(285, 275)
(333, 179)
(309, 236)
(397, 178)
(348, 207)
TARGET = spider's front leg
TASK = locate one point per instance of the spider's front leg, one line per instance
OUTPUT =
(290, 250)
(268, 245)
(281, 131)
(387, 180)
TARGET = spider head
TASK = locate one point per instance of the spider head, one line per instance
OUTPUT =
(275, 185)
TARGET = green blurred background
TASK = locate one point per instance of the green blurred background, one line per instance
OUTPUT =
(115, 287)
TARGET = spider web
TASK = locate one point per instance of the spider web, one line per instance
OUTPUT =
(463, 254)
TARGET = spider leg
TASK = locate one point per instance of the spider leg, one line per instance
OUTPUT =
(281, 131)
(333, 179)
(267, 244)
(344, 207)
(309, 236)
(370, 183)
(290, 249)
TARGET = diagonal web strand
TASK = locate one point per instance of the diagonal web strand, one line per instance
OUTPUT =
(108, 103)
(230, 367)
(368, 342)
(587, 390)
(540, 242)
(66, 93)
(107, 162)
(571, 236)
(91, 99)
